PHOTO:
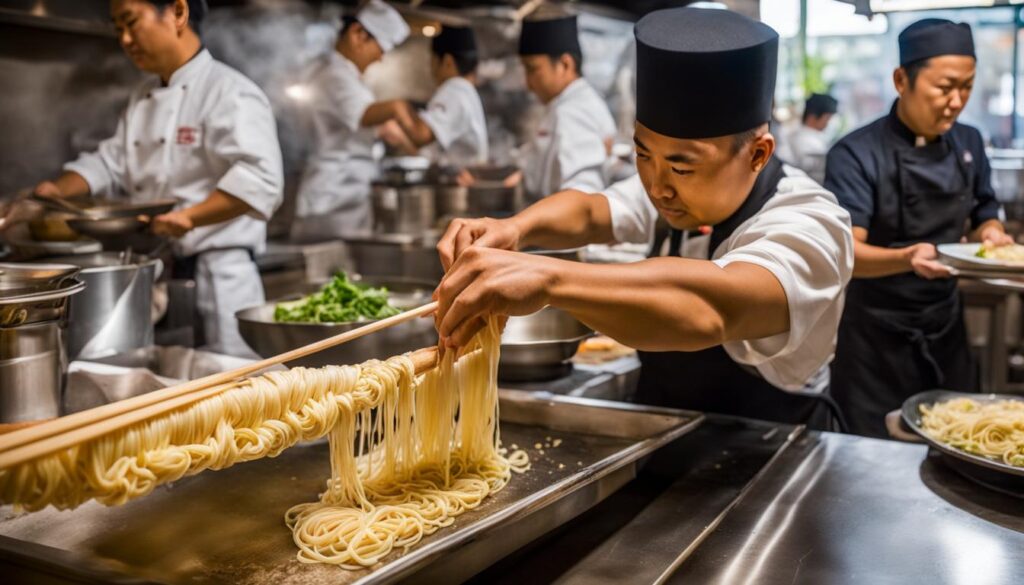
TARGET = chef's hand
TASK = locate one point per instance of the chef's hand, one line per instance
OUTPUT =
(465, 178)
(487, 281)
(996, 236)
(923, 261)
(174, 224)
(20, 208)
(513, 179)
(47, 189)
(484, 233)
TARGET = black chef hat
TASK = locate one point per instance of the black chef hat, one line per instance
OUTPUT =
(820, 103)
(454, 40)
(932, 37)
(549, 37)
(703, 73)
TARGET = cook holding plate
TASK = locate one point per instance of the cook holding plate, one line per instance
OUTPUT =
(911, 180)
(202, 133)
(746, 329)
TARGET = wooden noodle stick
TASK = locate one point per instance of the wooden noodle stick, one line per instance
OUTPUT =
(31, 434)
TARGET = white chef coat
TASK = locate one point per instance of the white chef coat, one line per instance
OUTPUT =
(209, 128)
(568, 148)
(806, 148)
(455, 115)
(336, 181)
(803, 237)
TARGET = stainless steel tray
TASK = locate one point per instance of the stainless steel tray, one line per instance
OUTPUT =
(991, 473)
(228, 527)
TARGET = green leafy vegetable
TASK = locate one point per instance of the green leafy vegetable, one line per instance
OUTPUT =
(338, 301)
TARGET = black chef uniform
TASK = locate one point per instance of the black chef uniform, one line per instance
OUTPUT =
(733, 60)
(903, 334)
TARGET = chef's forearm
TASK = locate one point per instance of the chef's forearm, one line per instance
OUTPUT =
(71, 184)
(567, 219)
(876, 261)
(416, 129)
(675, 304)
(217, 208)
(380, 112)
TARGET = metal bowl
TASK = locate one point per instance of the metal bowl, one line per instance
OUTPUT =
(538, 346)
(269, 338)
(990, 473)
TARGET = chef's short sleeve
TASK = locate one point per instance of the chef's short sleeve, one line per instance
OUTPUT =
(582, 152)
(446, 115)
(242, 130)
(806, 243)
(633, 215)
(847, 176)
(986, 205)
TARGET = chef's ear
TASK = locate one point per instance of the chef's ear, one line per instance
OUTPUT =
(900, 80)
(181, 14)
(761, 149)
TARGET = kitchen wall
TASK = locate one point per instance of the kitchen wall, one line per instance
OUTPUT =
(63, 91)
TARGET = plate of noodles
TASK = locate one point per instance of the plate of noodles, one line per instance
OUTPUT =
(980, 435)
(974, 256)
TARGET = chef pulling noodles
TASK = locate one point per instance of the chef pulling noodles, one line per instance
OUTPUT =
(748, 327)
(199, 132)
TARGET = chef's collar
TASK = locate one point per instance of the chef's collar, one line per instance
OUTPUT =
(189, 69)
(575, 86)
(903, 131)
(345, 62)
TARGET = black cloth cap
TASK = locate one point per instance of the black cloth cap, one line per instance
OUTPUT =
(820, 103)
(454, 40)
(703, 73)
(549, 37)
(933, 37)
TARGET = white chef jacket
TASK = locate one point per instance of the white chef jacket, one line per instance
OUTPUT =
(455, 115)
(803, 237)
(568, 148)
(209, 128)
(806, 148)
(339, 172)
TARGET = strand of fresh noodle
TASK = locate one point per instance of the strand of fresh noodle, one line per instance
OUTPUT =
(440, 459)
(994, 429)
(430, 453)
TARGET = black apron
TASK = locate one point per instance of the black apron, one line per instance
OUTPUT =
(709, 380)
(903, 334)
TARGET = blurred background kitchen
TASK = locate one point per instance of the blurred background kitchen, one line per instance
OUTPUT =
(66, 81)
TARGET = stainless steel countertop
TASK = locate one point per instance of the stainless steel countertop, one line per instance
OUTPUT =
(739, 502)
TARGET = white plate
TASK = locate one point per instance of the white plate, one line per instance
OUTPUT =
(965, 256)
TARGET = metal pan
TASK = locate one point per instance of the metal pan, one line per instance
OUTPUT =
(107, 227)
(990, 473)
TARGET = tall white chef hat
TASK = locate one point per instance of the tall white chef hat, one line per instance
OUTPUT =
(384, 23)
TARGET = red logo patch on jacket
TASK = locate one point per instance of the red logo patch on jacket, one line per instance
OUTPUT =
(187, 135)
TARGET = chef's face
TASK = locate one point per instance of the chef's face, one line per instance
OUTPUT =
(699, 182)
(547, 77)
(934, 101)
(149, 35)
(442, 67)
(360, 46)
